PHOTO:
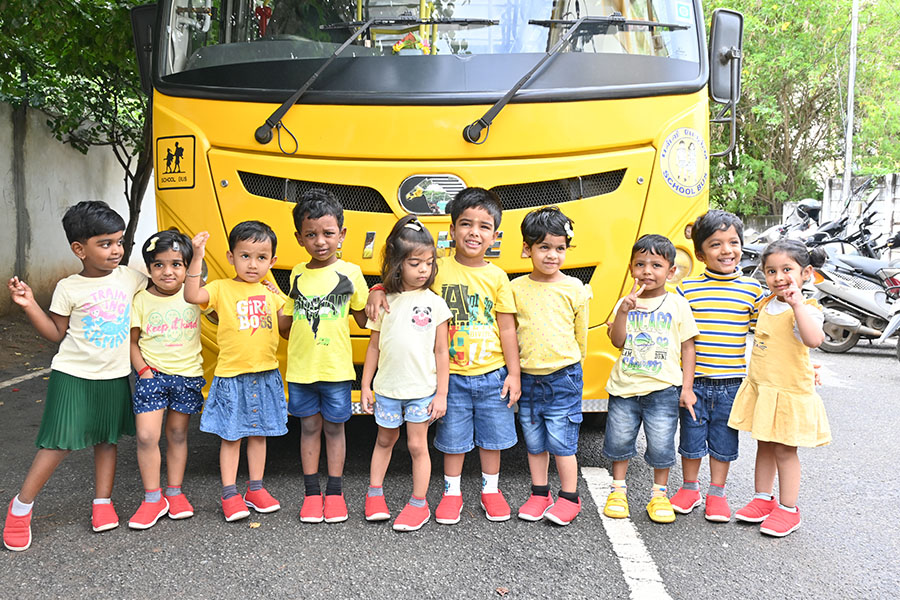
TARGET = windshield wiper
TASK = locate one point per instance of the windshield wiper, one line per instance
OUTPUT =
(263, 133)
(593, 26)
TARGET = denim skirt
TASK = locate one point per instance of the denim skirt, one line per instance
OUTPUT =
(247, 405)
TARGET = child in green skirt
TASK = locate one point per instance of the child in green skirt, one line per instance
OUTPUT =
(88, 395)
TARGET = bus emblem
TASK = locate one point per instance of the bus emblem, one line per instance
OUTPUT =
(428, 194)
(684, 162)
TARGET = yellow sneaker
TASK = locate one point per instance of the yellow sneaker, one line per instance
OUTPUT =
(616, 505)
(660, 510)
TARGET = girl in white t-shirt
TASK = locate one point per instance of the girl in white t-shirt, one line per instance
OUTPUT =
(165, 354)
(409, 348)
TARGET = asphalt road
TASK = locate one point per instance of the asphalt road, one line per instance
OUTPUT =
(848, 546)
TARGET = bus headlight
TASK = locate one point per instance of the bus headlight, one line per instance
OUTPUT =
(683, 265)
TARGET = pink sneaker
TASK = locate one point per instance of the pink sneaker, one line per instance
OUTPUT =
(377, 509)
(756, 510)
(717, 509)
(781, 522)
(179, 507)
(335, 509)
(261, 501)
(564, 511)
(103, 517)
(535, 507)
(235, 509)
(684, 501)
(449, 510)
(412, 518)
(148, 513)
(17, 531)
(495, 506)
(312, 510)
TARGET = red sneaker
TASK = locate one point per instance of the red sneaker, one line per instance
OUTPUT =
(564, 511)
(449, 509)
(535, 507)
(235, 509)
(148, 513)
(261, 501)
(412, 518)
(377, 509)
(684, 501)
(756, 510)
(717, 509)
(17, 531)
(103, 517)
(179, 507)
(495, 506)
(781, 522)
(335, 509)
(312, 509)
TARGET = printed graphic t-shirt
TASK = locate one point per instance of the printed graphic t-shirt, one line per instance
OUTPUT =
(474, 295)
(97, 343)
(248, 326)
(406, 363)
(552, 323)
(320, 303)
(651, 357)
(170, 333)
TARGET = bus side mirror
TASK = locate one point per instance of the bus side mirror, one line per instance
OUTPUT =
(726, 36)
(143, 19)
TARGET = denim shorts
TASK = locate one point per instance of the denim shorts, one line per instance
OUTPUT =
(658, 411)
(331, 398)
(550, 411)
(710, 433)
(175, 392)
(247, 405)
(476, 415)
(391, 413)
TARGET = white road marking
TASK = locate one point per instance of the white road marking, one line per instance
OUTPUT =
(637, 565)
(21, 378)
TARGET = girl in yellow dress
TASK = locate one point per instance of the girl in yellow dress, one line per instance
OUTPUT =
(777, 403)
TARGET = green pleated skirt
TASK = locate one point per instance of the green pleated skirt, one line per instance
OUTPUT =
(84, 412)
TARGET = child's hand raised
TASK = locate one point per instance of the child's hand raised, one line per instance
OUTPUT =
(793, 296)
(199, 244)
(630, 301)
(20, 292)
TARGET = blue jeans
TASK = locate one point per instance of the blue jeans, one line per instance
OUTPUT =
(710, 433)
(550, 411)
(476, 415)
(391, 413)
(331, 398)
(658, 411)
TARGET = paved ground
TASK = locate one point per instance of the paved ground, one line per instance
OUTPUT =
(847, 547)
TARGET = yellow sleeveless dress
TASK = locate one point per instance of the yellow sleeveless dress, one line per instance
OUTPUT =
(778, 401)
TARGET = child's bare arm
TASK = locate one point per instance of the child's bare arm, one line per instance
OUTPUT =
(438, 406)
(811, 333)
(617, 332)
(49, 325)
(688, 365)
(360, 317)
(193, 293)
(369, 366)
(284, 324)
(510, 346)
(377, 300)
(137, 359)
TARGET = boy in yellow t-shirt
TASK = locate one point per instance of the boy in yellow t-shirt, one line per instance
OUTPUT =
(324, 291)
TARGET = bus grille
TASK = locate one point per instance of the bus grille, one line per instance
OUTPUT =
(558, 191)
(351, 197)
(582, 274)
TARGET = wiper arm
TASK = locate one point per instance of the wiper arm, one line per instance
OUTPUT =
(594, 25)
(263, 133)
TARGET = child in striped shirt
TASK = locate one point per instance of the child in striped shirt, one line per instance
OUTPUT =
(724, 305)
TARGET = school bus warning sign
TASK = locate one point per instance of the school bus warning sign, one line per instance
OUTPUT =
(175, 162)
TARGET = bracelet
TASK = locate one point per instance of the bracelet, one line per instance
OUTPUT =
(377, 288)
(192, 275)
(144, 370)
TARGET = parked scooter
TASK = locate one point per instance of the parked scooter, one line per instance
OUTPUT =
(893, 327)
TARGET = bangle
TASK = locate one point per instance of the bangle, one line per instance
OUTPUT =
(192, 275)
(377, 288)
(144, 370)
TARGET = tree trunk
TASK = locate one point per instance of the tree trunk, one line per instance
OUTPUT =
(142, 172)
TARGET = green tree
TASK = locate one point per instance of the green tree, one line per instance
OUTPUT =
(794, 85)
(74, 59)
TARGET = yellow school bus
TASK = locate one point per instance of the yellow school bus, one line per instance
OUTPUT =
(599, 107)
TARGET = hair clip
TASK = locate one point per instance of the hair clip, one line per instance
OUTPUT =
(152, 245)
(414, 225)
(569, 231)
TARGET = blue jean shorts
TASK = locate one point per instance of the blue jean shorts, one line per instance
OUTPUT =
(246, 405)
(658, 411)
(476, 415)
(710, 433)
(550, 411)
(175, 392)
(391, 413)
(331, 398)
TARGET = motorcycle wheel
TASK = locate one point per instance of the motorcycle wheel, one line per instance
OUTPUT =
(838, 340)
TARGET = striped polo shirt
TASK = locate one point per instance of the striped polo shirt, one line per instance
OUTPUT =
(724, 307)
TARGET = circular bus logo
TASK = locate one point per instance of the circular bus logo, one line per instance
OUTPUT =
(685, 162)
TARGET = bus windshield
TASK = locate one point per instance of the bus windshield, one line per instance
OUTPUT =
(258, 49)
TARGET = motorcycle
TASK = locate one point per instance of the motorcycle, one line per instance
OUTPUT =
(892, 327)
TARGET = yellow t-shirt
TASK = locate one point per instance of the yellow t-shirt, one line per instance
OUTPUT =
(96, 344)
(552, 323)
(248, 326)
(321, 300)
(170, 333)
(474, 295)
(651, 357)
